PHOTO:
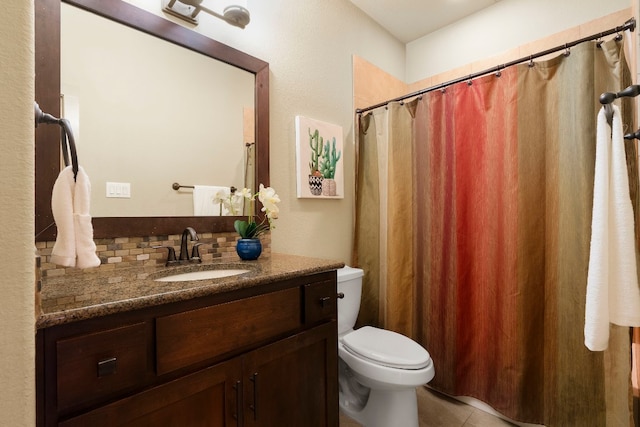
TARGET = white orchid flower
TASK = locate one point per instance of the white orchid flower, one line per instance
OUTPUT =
(246, 193)
(272, 212)
(220, 197)
(268, 196)
(236, 203)
(269, 199)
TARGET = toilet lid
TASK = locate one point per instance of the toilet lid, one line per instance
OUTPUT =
(387, 348)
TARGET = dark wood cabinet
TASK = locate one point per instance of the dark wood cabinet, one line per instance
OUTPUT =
(292, 382)
(209, 397)
(260, 359)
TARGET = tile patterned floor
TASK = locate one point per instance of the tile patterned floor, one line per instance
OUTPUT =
(436, 410)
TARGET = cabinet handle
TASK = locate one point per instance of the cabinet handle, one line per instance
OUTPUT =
(254, 407)
(325, 300)
(238, 415)
(107, 367)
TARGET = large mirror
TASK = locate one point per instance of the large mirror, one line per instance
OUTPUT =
(147, 114)
(120, 217)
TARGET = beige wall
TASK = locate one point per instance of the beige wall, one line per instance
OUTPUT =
(585, 29)
(17, 391)
(498, 29)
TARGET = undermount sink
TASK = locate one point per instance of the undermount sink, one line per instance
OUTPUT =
(201, 275)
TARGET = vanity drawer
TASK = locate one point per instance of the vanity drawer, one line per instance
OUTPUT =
(320, 302)
(187, 338)
(100, 364)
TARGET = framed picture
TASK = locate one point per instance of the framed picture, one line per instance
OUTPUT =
(319, 162)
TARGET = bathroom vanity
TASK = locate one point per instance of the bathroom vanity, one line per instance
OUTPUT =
(256, 349)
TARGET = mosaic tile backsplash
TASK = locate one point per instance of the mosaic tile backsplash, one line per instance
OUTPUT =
(122, 252)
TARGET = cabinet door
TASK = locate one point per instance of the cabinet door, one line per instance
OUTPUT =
(293, 382)
(210, 397)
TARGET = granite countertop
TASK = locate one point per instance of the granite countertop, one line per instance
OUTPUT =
(92, 293)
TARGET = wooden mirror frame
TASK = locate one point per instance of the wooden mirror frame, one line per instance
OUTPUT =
(47, 88)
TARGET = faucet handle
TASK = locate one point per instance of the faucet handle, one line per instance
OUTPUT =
(195, 253)
(188, 232)
(171, 256)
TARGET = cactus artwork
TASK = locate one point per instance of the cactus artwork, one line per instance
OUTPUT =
(315, 142)
(330, 160)
(319, 151)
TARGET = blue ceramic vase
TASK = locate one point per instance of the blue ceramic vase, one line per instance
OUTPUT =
(249, 249)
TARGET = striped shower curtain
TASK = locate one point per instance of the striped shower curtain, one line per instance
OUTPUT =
(473, 218)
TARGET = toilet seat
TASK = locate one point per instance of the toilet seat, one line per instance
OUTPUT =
(386, 348)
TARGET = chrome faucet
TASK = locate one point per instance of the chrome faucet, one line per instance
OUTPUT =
(184, 250)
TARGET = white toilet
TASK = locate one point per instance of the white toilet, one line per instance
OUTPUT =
(379, 370)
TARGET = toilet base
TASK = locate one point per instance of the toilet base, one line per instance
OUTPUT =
(387, 408)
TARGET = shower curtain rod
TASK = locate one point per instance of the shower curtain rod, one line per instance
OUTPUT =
(628, 25)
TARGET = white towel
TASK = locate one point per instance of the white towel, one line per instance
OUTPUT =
(613, 295)
(203, 196)
(74, 246)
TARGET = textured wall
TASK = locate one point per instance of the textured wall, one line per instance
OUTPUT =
(499, 28)
(17, 393)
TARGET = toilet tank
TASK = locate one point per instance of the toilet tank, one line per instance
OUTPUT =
(350, 284)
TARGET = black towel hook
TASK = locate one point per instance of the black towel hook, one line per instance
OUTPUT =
(608, 97)
(68, 146)
(634, 135)
(629, 91)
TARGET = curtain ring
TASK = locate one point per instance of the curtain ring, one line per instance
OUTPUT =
(618, 37)
(443, 90)
(531, 64)
(567, 52)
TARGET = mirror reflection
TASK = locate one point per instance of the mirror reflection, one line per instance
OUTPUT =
(48, 91)
(147, 114)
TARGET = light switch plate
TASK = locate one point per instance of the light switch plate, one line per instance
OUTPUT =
(120, 190)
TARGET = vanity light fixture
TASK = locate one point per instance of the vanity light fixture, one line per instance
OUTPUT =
(234, 14)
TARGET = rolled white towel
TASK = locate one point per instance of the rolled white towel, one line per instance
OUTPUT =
(613, 295)
(85, 246)
(70, 201)
(64, 249)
